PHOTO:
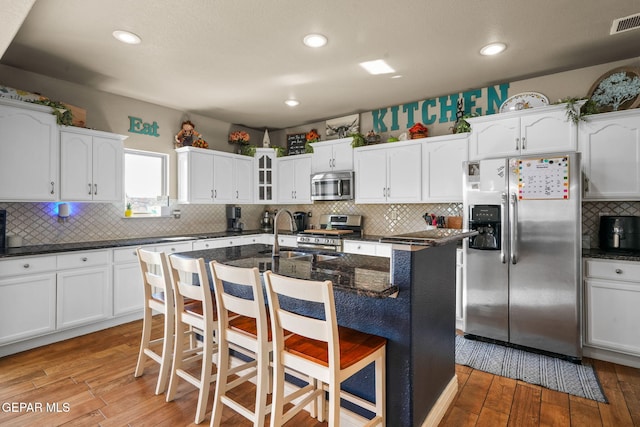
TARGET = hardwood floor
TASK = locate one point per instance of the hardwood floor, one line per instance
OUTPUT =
(90, 379)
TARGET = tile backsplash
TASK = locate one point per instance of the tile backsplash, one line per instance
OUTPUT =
(38, 223)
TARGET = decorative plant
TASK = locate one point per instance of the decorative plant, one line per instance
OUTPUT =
(280, 151)
(313, 136)
(128, 211)
(575, 115)
(239, 137)
(462, 125)
(418, 131)
(248, 150)
(62, 113)
(308, 149)
(358, 140)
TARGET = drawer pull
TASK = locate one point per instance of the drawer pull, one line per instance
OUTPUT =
(26, 266)
(135, 254)
(618, 271)
(84, 259)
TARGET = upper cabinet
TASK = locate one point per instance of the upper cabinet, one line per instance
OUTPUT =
(265, 174)
(294, 179)
(334, 155)
(91, 165)
(524, 132)
(389, 173)
(208, 176)
(29, 156)
(610, 146)
(442, 158)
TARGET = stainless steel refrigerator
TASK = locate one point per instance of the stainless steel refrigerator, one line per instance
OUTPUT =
(523, 269)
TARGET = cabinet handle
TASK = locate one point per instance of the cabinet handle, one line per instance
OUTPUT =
(237, 194)
(524, 143)
(618, 271)
(215, 194)
(26, 266)
(52, 187)
(206, 245)
(84, 259)
(95, 192)
(89, 193)
(517, 143)
(586, 184)
(212, 194)
(135, 254)
(173, 249)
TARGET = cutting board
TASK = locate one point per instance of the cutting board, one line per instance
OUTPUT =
(323, 231)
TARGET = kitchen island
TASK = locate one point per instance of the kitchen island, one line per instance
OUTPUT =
(410, 300)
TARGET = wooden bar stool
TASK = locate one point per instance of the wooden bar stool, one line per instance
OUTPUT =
(321, 349)
(158, 296)
(243, 325)
(201, 320)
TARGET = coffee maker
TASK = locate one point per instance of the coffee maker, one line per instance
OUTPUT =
(233, 218)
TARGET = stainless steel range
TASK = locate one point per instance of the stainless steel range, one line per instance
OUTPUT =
(333, 228)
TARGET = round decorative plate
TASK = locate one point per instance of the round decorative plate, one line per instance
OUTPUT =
(524, 100)
(618, 89)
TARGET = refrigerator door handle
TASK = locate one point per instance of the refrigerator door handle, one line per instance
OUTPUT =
(513, 227)
(503, 235)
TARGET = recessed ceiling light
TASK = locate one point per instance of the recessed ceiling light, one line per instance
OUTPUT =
(379, 66)
(126, 37)
(314, 40)
(493, 49)
(292, 102)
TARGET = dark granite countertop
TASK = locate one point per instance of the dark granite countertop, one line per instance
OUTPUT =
(105, 244)
(434, 237)
(616, 256)
(360, 274)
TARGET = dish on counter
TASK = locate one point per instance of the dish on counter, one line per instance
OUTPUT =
(524, 100)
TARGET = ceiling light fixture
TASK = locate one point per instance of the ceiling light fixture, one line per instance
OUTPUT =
(126, 37)
(314, 40)
(493, 49)
(292, 102)
(379, 66)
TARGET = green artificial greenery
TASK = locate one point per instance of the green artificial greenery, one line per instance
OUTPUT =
(280, 151)
(462, 126)
(62, 113)
(308, 149)
(248, 150)
(358, 140)
(573, 115)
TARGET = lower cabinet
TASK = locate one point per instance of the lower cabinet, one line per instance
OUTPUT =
(84, 288)
(612, 298)
(128, 293)
(367, 248)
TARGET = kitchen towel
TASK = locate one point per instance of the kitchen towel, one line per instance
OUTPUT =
(546, 371)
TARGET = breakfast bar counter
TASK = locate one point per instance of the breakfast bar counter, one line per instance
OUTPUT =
(414, 310)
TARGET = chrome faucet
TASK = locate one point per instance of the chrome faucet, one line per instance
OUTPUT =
(276, 245)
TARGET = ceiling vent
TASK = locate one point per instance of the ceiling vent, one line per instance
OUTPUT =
(627, 23)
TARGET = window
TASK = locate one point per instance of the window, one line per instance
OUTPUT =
(146, 182)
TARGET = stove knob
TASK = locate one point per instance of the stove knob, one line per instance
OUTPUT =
(317, 240)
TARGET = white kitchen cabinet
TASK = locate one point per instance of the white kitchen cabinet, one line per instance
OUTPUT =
(265, 175)
(225, 242)
(442, 159)
(610, 146)
(361, 247)
(294, 179)
(208, 176)
(334, 155)
(91, 165)
(174, 247)
(612, 298)
(84, 288)
(524, 132)
(460, 286)
(27, 298)
(29, 152)
(128, 293)
(389, 173)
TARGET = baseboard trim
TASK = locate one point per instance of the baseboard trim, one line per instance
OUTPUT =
(442, 404)
(611, 356)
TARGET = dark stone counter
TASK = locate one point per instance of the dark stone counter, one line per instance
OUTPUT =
(612, 255)
(359, 274)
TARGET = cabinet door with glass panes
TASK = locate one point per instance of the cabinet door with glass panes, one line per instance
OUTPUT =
(265, 176)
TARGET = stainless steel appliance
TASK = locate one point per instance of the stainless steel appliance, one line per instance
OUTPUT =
(266, 222)
(234, 213)
(3, 229)
(523, 283)
(301, 220)
(619, 233)
(332, 186)
(333, 228)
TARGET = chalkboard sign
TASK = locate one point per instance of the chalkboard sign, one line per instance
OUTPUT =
(296, 143)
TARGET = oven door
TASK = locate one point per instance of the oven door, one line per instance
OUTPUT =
(332, 186)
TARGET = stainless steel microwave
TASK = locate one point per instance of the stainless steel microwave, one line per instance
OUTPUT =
(332, 186)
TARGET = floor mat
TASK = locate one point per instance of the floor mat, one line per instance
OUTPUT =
(546, 371)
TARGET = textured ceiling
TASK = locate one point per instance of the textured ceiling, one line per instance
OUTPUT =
(237, 61)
